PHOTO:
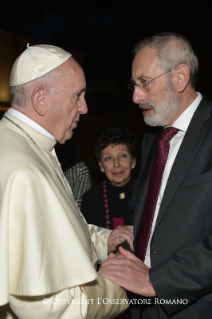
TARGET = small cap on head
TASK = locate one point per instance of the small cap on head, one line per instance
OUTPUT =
(35, 62)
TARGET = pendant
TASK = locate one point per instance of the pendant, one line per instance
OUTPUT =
(122, 195)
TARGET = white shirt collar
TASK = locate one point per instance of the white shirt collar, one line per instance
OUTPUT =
(183, 121)
(29, 122)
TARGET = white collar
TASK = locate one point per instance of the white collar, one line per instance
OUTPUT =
(30, 122)
(183, 121)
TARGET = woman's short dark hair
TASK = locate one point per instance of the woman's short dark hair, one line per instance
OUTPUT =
(114, 135)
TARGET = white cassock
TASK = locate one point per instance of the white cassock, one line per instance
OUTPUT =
(47, 250)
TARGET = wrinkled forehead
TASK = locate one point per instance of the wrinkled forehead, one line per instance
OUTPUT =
(144, 63)
(72, 71)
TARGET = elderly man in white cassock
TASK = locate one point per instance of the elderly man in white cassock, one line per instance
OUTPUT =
(48, 252)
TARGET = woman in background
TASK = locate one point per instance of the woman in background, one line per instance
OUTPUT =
(106, 204)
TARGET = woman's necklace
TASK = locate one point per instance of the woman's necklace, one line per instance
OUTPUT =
(106, 204)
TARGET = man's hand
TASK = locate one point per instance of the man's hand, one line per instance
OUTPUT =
(129, 272)
(118, 236)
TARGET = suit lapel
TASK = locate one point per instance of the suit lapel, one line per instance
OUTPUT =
(189, 148)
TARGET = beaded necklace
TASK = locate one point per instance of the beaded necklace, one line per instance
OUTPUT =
(106, 204)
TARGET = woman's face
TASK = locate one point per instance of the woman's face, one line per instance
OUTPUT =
(117, 162)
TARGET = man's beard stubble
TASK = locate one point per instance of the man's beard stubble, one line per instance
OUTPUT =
(164, 111)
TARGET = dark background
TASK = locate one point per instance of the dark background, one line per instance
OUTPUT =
(106, 32)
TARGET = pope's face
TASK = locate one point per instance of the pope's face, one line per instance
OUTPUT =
(161, 102)
(67, 101)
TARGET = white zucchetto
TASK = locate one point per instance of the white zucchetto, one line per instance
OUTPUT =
(35, 62)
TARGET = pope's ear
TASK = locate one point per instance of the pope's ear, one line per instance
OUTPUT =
(39, 101)
(181, 77)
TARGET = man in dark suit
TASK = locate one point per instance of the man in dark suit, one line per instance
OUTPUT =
(173, 197)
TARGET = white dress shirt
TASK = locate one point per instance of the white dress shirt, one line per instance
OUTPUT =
(182, 124)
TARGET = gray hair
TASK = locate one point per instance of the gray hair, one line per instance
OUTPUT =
(20, 94)
(172, 50)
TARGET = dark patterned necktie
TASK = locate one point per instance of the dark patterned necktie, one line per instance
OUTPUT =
(155, 180)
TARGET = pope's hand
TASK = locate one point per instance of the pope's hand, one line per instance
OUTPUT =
(129, 272)
(119, 235)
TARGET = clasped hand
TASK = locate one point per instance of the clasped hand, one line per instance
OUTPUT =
(118, 236)
(129, 272)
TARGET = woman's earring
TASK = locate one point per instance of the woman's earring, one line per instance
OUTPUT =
(133, 166)
(102, 169)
